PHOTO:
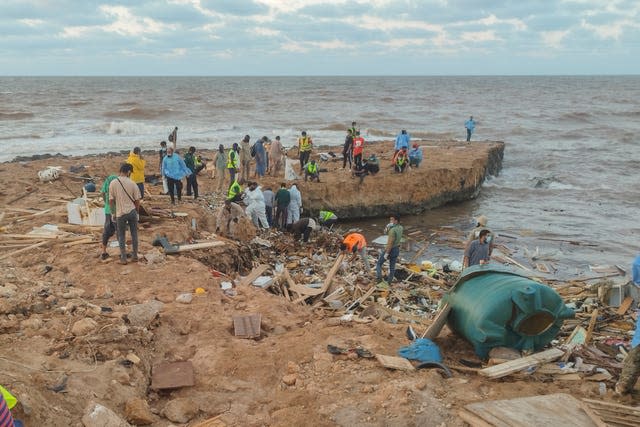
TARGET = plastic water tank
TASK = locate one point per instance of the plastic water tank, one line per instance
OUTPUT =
(494, 306)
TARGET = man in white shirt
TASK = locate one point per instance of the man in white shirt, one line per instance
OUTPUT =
(124, 200)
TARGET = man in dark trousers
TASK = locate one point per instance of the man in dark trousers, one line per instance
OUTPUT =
(347, 149)
(124, 199)
(282, 199)
(303, 228)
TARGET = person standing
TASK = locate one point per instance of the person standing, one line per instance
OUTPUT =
(174, 169)
(268, 204)
(124, 200)
(631, 367)
(392, 249)
(254, 200)
(347, 149)
(282, 199)
(220, 163)
(138, 163)
(402, 141)
(233, 162)
(173, 138)
(275, 153)
(261, 157)
(245, 159)
(355, 243)
(354, 129)
(192, 180)
(305, 145)
(163, 152)
(109, 225)
(295, 205)
(478, 252)
(358, 148)
(470, 125)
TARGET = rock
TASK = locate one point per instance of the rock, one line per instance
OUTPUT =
(180, 410)
(184, 298)
(143, 314)
(73, 293)
(9, 290)
(32, 323)
(292, 367)
(97, 415)
(84, 326)
(154, 257)
(290, 379)
(137, 412)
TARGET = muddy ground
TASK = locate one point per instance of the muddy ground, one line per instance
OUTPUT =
(77, 329)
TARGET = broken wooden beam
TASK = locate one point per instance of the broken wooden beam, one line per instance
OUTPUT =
(507, 368)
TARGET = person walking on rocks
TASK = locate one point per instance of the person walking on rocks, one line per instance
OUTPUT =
(124, 200)
(135, 159)
(233, 161)
(276, 153)
(295, 206)
(109, 225)
(282, 199)
(174, 169)
(354, 244)
(220, 163)
(245, 159)
(470, 125)
(631, 367)
(305, 145)
(391, 251)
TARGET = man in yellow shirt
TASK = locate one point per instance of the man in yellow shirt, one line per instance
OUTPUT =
(138, 163)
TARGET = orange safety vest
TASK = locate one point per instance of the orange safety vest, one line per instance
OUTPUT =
(356, 239)
(304, 144)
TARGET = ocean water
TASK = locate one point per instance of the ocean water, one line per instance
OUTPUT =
(571, 161)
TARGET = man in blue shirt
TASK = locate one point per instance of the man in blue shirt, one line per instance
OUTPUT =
(415, 156)
(470, 125)
(631, 368)
(402, 141)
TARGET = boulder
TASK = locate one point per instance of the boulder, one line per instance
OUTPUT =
(138, 413)
(180, 410)
(84, 326)
(97, 415)
(184, 298)
(143, 314)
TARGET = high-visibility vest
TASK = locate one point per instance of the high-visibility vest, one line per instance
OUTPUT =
(401, 160)
(234, 190)
(326, 215)
(232, 160)
(356, 239)
(312, 168)
(304, 143)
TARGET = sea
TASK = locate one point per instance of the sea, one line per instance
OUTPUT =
(568, 194)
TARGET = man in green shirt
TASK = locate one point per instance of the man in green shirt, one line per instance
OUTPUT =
(282, 199)
(109, 226)
(391, 250)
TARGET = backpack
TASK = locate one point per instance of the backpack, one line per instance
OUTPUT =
(253, 150)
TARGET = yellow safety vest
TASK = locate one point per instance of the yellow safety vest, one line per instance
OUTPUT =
(312, 168)
(232, 160)
(234, 190)
(304, 143)
(326, 215)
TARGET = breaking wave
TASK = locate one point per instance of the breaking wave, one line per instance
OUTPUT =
(139, 113)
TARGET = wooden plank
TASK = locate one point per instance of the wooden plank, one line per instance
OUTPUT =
(578, 336)
(393, 362)
(558, 409)
(255, 273)
(624, 306)
(438, 322)
(618, 407)
(202, 245)
(28, 248)
(594, 417)
(473, 420)
(327, 281)
(512, 366)
(592, 325)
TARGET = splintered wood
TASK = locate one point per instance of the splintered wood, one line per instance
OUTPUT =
(504, 369)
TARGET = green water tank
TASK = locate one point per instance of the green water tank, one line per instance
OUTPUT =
(494, 306)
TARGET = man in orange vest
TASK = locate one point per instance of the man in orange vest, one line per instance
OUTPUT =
(355, 243)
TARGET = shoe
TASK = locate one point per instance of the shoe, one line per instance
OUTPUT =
(135, 258)
(104, 256)
(123, 261)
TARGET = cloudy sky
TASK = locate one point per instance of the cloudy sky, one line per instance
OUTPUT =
(313, 37)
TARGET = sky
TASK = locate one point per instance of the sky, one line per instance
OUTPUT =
(313, 37)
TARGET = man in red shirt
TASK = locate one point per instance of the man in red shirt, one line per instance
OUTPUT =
(358, 146)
